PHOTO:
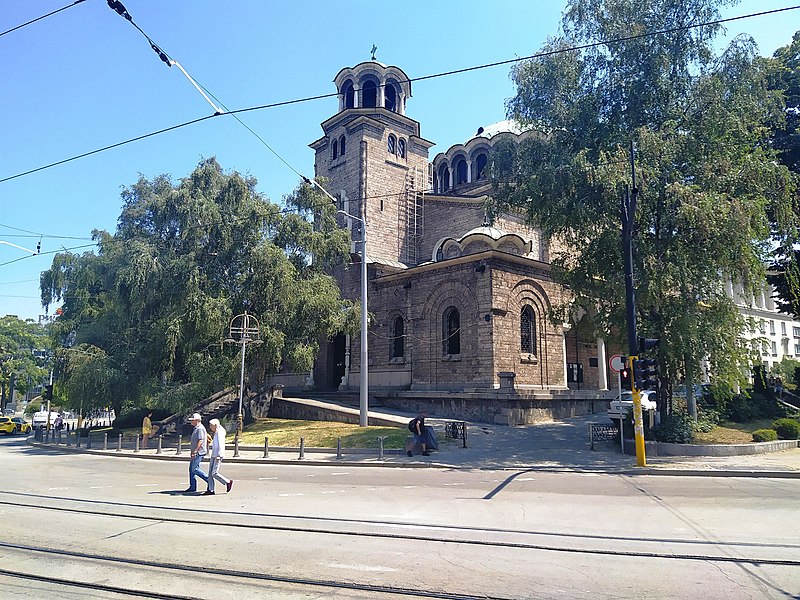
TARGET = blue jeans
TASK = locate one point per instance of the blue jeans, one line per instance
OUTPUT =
(194, 470)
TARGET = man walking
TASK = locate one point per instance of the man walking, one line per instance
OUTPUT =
(199, 448)
(217, 454)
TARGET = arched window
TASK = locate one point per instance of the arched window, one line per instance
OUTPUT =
(451, 331)
(349, 95)
(401, 148)
(444, 178)
(480, 165)
(527, 330)
(398, 338)
(391, 144)
(335, 150)
(369, 95)
(390, 97)
(341, 146)
(461, 171)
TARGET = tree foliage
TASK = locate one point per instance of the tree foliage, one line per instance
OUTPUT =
(18, 340)
(147, 314)
(711, 196)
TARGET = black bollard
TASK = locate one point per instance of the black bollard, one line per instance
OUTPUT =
(302, 448)
(266, 447)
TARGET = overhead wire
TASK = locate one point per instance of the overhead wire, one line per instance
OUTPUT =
(409, 80)
(50, 14)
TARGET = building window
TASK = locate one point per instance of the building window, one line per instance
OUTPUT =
(444, 179)
(451, 331)
(401, 148)
(335, 150)
(774, 349)
(349, 95)
(369, 95)
(480, 166)
(390, 98)
(796, 331)
(762, 326)
(797, 349)
(341, 146)
(527, 326)
(391, 144)
(398, 338)
(772, 327)
(461, 171)
(783, 328)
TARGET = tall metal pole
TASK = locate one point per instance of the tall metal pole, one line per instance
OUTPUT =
(363, 419)
(240, 425)
(628, 223)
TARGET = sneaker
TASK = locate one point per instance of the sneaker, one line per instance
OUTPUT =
(426, 454)
(208, 493)
(410, 453)
(189, 491)
(230, 485)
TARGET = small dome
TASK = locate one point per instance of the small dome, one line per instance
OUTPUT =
(488, 230)
(507, 126)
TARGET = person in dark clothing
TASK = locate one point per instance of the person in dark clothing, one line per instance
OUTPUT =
(417, 427)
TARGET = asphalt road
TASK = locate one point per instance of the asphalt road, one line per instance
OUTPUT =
(367, 532)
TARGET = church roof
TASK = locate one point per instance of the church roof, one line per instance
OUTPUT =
(507, 126)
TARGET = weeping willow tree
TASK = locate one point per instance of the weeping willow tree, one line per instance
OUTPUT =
(713, 200)
(146, 314)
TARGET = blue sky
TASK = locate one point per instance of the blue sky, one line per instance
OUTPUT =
(85, 78)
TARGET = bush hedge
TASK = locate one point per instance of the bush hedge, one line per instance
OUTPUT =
(787, 429)
(765, 435)
(677, 428)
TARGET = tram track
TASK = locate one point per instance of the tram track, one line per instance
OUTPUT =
(416, 532)
(183, 568)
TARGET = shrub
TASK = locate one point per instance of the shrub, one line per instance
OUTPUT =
(707, 419)
(677, 428)
(787, 429)
(716, 397)
(765, 435)
(740, 409)
(133, 418)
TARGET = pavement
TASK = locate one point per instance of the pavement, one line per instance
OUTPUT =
(550, 446)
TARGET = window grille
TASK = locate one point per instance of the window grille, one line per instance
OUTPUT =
(527, 326)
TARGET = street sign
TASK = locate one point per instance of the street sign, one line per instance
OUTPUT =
(617, 363)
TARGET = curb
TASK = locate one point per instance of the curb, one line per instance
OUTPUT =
(626, 471)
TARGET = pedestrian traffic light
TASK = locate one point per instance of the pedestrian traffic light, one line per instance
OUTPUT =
(625, 375)
(645, 373)
(48, 392)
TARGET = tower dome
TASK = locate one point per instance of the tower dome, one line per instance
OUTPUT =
(372, 84)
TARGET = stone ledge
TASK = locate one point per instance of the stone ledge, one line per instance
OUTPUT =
(667, 449)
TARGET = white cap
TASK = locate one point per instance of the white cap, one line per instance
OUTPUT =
(214, 422)
(196, 417)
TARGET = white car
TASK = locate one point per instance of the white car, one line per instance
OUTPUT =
(622, 404)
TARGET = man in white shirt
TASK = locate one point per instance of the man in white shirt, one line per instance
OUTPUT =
(217, 454)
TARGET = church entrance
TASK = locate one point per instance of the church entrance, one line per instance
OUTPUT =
(336, 356)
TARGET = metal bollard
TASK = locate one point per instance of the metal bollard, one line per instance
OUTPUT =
(266, 447)
(89, 440)
(380, 447)
(137, 443)
(47, 436)
(68, 438)
(158, 450)
(302, 449)
(339, 448)
(77, 439)
(105, 441)
(180, 444)
(119, 443)
(236, 447)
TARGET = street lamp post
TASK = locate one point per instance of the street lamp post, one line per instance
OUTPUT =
(363, 416)
(244, 329)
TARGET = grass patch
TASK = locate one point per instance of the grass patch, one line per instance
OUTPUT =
(732, 433)
(319, 434)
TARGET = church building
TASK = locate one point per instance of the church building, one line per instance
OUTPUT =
(460, 304)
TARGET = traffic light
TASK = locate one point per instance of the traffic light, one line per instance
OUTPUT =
(48, 392)
(645, 373)
(646, 344)
(625, 374)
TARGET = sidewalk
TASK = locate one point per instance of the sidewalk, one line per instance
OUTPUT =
(554, 446)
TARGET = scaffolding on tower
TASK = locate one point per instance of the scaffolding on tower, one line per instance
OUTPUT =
(418, 181)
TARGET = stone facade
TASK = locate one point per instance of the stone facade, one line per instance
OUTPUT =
(459, 305)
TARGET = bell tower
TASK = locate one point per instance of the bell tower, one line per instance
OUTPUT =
(375, 161)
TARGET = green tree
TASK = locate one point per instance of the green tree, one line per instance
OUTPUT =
(20, 369)
(151, 307)
(711, 196)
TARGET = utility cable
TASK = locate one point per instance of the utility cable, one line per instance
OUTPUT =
(412, 79)
(42, 17)
(46, 253)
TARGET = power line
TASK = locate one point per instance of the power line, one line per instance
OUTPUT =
(42, 17)
(45, 253)
(409, 80)
(36, 234)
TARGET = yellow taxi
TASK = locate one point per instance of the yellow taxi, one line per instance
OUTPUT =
(14, 425)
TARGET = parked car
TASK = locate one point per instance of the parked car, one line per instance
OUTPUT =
(40, 418)
(623, 403)
(8, 412)
(8, 426)
(679, 391)
(22, 425)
